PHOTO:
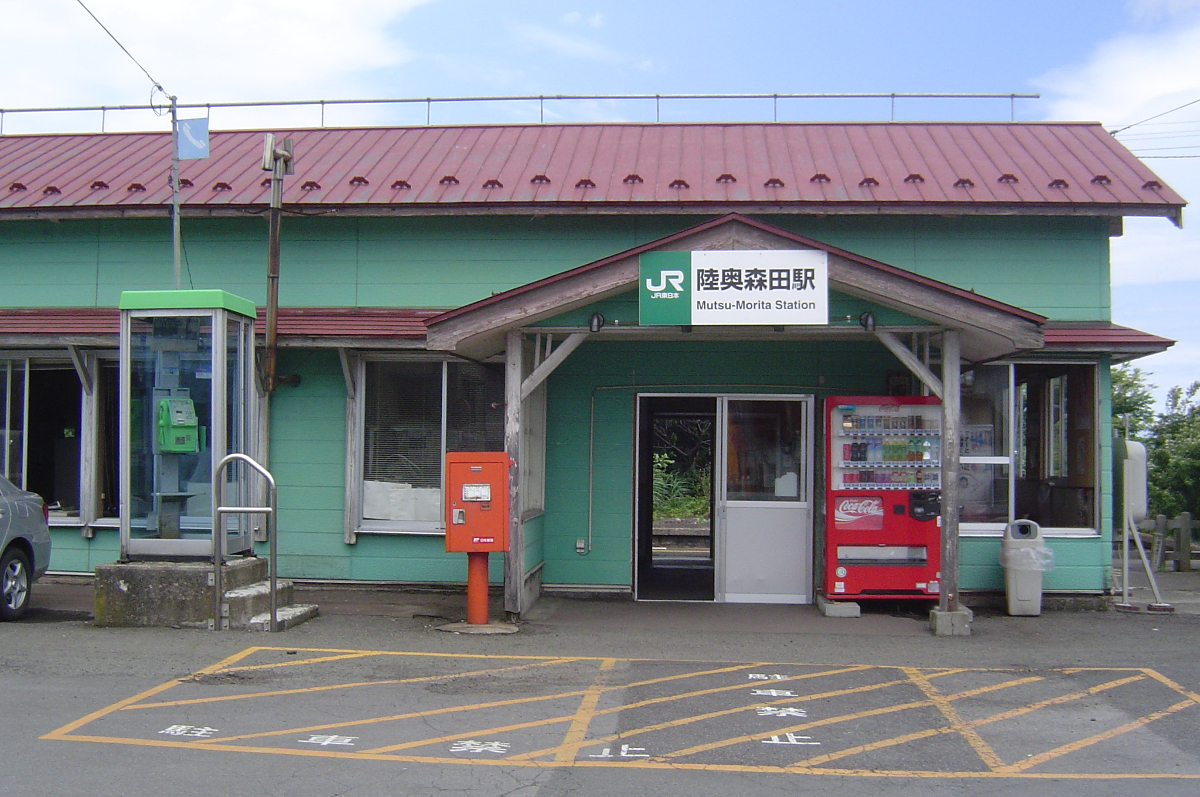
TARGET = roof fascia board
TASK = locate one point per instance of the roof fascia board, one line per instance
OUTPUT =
(1172, 212)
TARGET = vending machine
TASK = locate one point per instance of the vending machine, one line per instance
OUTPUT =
(883, 497)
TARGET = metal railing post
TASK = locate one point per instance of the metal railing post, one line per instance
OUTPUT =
(271, 511)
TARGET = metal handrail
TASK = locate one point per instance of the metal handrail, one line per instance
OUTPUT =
(219, 512)
(541, 100)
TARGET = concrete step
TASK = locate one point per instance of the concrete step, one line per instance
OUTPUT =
(288, 616)
(247, 601)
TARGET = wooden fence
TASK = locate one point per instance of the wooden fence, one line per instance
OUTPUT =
(1177, 533)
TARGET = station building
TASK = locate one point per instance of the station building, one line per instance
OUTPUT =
(479, 288)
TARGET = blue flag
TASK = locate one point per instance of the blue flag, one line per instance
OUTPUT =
(193, 139)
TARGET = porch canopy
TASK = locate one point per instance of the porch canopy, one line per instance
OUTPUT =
(967, 326)
(991, 329)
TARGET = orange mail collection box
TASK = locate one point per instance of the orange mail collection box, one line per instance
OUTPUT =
(477, 501)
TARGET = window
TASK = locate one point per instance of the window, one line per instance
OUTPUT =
(412, 412)
(1028, 448)
(1057, 483)
(58, 437)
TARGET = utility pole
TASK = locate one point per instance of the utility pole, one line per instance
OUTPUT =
(278, 161)
(176, 237)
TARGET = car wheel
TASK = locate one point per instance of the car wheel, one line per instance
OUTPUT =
(14, 584)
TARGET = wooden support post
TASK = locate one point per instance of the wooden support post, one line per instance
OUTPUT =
(948, 599)
(1183, 542)
(514, 558)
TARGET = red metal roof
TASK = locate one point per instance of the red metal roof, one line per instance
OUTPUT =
(1101, 335)
(965, 167)
(61, 321)
(293, 321)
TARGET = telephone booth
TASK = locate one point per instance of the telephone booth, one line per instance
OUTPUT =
(188, 398)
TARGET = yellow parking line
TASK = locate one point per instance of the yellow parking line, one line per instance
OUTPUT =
(757, 737)
(701, 692)
(982, 748)
(911, 737)
(736, 740)
(1042, 758)
(60, 733)
(303, 662)
(1054, 701)
(469, 707)
(700, 717)
(395, 717)
(1193, 696)
(302, 690)
(587, 710)
(994, 688)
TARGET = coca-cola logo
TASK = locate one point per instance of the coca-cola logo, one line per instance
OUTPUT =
(860, 507)
(858, 514)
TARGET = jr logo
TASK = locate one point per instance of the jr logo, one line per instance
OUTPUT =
(666, 277)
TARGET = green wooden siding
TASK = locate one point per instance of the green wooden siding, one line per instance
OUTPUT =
(611, 374)
(448, 262)
(1080, 565)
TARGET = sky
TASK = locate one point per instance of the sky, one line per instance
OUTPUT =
(1118, 62)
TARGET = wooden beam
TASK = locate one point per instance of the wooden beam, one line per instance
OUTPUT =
(85, 376)
(948, 597)
(911, 361)
(347, 372)
(547, 366)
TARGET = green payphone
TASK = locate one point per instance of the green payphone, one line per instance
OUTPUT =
(177, 426)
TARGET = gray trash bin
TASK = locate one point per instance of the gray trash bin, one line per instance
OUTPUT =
(1025, 557)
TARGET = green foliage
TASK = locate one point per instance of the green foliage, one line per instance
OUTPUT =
(1132, 397)
(1172, 438)
(680, 493)
(1173, 449)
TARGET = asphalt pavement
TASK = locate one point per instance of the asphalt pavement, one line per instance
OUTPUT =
(604, 697)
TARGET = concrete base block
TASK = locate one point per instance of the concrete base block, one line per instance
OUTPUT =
(180, 595)
(838, 608)
(165, 594)
(468, 628)
(955, 623)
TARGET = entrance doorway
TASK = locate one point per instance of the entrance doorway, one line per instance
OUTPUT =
(724, 510)
(677, 441)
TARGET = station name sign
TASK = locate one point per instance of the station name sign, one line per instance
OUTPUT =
(772, 288)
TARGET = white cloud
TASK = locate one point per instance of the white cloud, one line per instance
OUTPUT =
(1153, 68)
(576, 18)
(211, 51)
(1130, 78)
(569, 46)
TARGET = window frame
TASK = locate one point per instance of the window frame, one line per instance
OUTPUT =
(356, 403)
(1017, 469)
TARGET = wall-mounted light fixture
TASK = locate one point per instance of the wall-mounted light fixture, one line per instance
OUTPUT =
(867, 321)
(596, 322)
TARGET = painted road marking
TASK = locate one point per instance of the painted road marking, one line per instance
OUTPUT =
(529, 711)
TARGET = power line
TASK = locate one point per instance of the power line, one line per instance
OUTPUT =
(1156, 116)
(157, 85)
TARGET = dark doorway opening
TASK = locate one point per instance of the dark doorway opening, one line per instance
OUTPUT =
(55, 413)
(676, 439)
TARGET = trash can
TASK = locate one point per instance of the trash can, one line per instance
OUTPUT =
(1025, 557)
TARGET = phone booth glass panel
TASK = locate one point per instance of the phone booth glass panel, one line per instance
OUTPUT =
(187, 398)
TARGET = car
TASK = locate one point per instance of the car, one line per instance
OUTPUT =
(24, 546)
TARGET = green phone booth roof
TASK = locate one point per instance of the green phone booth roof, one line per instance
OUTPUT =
(186, 300)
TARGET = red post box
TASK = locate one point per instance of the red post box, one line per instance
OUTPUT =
(477, 518)
(477, 502)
